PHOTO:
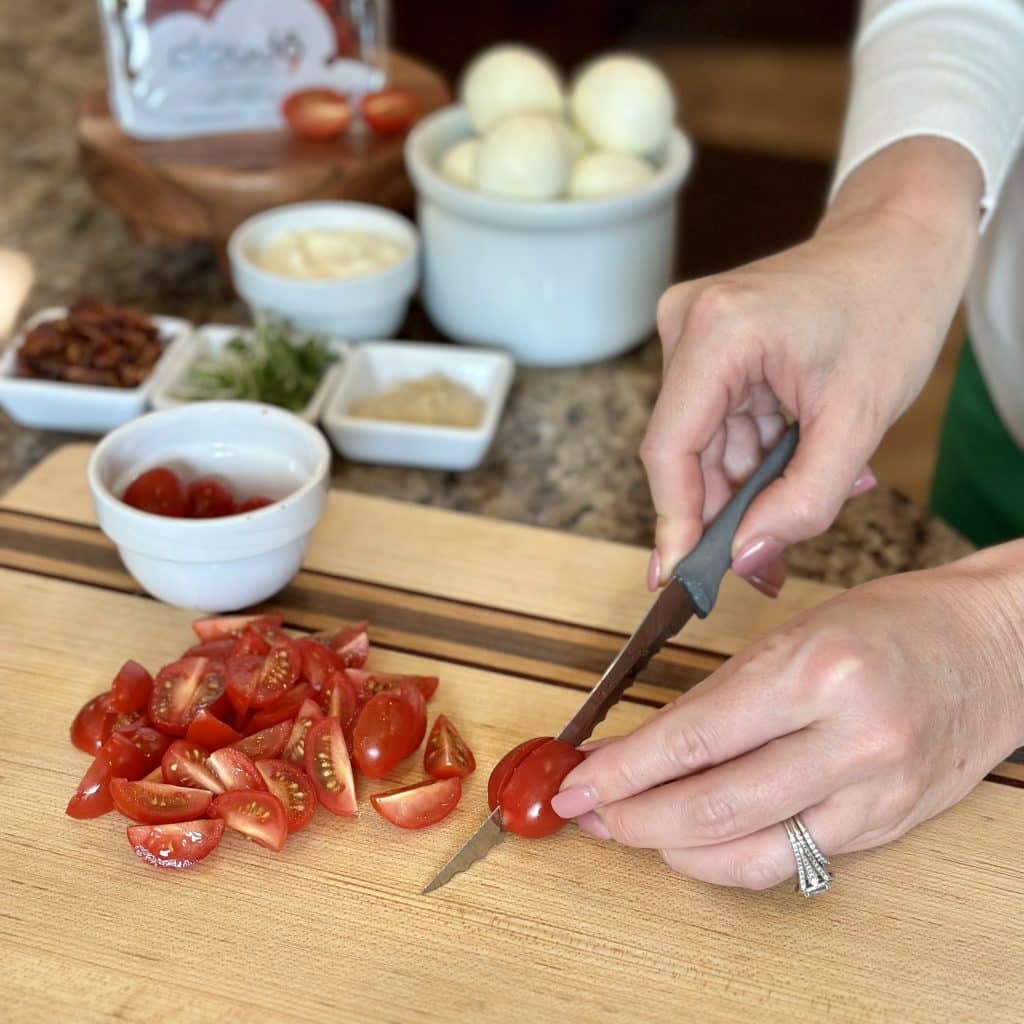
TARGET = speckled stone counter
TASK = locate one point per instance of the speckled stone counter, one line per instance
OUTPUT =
(565, 455)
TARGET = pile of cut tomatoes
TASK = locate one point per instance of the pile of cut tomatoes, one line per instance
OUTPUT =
(251, 729)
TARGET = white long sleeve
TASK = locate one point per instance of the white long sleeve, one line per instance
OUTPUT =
(952, 68)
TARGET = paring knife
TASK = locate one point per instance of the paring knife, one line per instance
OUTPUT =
(692, 589)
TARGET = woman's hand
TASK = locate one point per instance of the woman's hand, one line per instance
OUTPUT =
(866, 716)
(840, 331)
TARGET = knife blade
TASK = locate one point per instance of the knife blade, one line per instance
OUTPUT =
(691, 590)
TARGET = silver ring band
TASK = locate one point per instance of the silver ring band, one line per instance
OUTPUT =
(812, 865)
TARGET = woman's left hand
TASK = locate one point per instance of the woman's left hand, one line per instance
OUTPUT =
(866, 716)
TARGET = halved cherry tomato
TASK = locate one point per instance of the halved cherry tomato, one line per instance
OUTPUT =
(208, 498)
(181, 690)
(219, 649)
(525, 800)
(339, 701)
(411, 694)
(351, 644)
(233, 625)
(93, 724)
(209, 731)
(319, 662)
(117, 758)
(329, 767)
(318, 114)
(253, 504)
(383, 732)
(265, 743)
(295, 747)
(234, 770)
(243, 671)
(251, 641)
(157, 803)
(280, 671)
(130, 689)
(158, 491)
(392, 110)
(369, 683)
(257, 814)
(446, 755)
(503, 770)
(419, 805)
(149, 742)
(287, 707)
(187, 764)
(292, 786)
(176, 846)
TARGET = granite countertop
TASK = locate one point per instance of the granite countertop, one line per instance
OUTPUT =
(565, 455)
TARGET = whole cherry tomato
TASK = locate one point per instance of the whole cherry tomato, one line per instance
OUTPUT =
(208, 498)
(502, 771)
(525, 800)
(158, 491)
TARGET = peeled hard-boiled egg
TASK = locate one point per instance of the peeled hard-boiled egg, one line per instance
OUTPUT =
(458, 162)
(524, 156)
(623, 103)
(509, 80)
(602, 172)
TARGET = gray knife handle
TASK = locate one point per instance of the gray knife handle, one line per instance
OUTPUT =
(700, 573)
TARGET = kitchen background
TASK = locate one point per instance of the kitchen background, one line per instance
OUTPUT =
(761, 91)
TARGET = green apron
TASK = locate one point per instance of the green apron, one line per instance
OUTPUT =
(978, 486)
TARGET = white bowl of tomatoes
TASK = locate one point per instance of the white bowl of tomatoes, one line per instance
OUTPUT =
(211, 505)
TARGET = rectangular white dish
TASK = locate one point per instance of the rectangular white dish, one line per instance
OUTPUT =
(83, 408)
(377, 366)
(210, 339)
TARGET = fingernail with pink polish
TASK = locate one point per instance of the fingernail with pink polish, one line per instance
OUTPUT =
(863, 483)
(574, 801)
(653, 571)
(593, 826)
(766, 588)
(756, 556)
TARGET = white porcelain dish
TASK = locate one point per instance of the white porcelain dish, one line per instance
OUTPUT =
(215, 565)
(210, 339)
(81, 408)
(556, 283)
(374, 367)
(370, 306)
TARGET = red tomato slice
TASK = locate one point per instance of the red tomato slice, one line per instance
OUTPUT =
(351, 644)
(265, 743)
(258, 815)
(149, 742)
(319, 662)
(412, 695)
(208, 498)
(93, 724)
(292, 786)
(525, 801)
(175, 846)
(369, 683)
(339, 700)
(233, 625)
(446, 755)
(317, 114)
(234, 769)
(219, 649)
(181, 690)
(295, 747)
(130, 689)
(243, 671)
(158, 491)
(390, 111)
(156, 803)
(502, 771)
(383, 733)
(253, 504)
(329, 768)
(210, 732)
(187, 764)
(420, 805)
(251, 641)
(117, 758)
(286, 708)
(278, 675)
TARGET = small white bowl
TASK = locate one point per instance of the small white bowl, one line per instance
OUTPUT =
(374, 367)
(222, 564)
(210, 339)
(83, 408)
(369, 306)
(556, 283)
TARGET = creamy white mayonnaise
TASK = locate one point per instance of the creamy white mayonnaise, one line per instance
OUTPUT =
(318, 253)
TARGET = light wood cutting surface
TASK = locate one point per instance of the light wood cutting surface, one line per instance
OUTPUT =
(334, 928)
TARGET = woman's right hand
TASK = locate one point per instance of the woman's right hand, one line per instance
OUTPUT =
(840, 331)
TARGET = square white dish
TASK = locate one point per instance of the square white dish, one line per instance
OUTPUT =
(83, 408)
(210, 339)
(374, 367)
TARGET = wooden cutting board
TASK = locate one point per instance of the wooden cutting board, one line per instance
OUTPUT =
(516, 621)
